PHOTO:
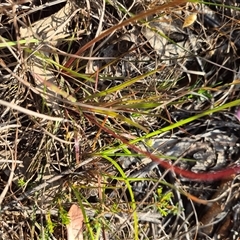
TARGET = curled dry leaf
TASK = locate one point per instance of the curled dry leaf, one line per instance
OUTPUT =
(74, 228)
(189, 20)
(52, 30)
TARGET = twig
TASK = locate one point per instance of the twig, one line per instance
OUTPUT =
(47, 183)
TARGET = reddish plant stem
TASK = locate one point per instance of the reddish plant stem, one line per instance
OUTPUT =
(133, 19)
(210, 176)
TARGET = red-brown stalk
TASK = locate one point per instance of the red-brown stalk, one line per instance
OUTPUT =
(209, 176)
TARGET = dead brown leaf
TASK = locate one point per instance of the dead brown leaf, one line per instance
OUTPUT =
(74, 228)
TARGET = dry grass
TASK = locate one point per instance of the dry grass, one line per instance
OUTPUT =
(94, 94)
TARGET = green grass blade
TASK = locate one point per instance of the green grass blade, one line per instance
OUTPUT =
(177, 124)
(133, 204)
(86, 219)
(122, 85)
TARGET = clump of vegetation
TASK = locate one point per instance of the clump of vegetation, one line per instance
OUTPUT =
(124, 110)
